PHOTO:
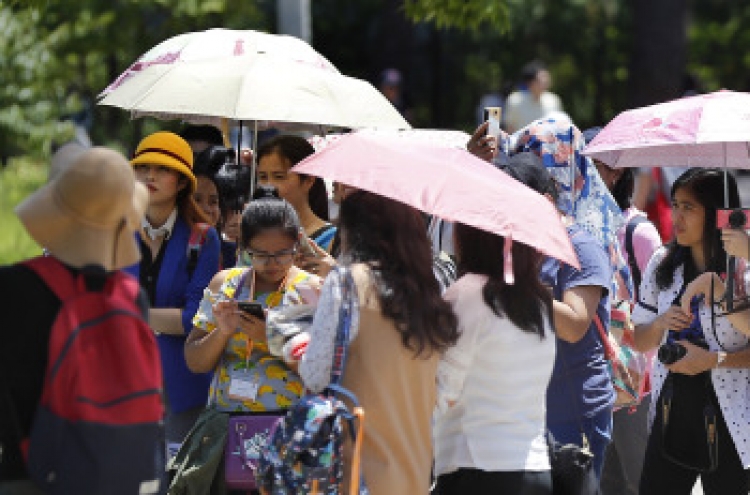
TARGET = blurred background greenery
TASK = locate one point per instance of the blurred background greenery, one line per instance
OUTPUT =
(21, 177)
(604, 56)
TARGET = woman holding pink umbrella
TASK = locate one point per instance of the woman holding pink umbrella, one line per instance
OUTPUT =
(701, 382)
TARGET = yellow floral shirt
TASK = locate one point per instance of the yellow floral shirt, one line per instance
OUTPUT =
(278, 386)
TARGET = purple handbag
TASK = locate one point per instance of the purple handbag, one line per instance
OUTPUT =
(247, 435)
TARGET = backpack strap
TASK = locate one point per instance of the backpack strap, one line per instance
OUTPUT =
(609, 351)
(343, 330)
(54, 274)
(198, 236)
(635, 272)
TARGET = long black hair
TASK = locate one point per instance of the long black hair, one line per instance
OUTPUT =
(391, 238)
(295, 149)
(523, 303)
(622, 191)
(267, 211)
(706, 185)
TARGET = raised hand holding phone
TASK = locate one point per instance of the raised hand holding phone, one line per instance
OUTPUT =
(319, 262)
(492, 116)
(306, 245)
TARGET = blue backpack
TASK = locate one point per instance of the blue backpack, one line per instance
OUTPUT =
(304, 451)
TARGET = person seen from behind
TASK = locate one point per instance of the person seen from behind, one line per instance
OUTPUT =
(400, 327)
(580, 395)
(85, 217)
(489, 429)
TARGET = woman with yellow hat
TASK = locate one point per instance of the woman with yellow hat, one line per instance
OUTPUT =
(180, 255)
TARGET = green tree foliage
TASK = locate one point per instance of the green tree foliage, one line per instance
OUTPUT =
(585, 44)
(461, 14)
(29, 104)
(719, 40)
(56, 57)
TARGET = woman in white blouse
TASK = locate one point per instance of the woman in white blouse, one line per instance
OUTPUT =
(490, 423)
(716, 376)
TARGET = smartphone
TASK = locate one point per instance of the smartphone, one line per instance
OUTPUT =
(252, 308)
(304, 244)
(734, 218)
(493, 115)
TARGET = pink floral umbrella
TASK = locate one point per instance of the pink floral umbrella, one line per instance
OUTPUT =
(445, 181)
(711, 130)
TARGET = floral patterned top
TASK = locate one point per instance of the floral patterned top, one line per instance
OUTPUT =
(278, 386)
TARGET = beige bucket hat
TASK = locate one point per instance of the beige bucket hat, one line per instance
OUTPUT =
(88, 213)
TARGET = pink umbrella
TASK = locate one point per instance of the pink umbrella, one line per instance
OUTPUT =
(444, 181)
(711, 130)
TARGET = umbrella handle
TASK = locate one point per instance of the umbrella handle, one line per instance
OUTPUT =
(254, 169)
(225, 133)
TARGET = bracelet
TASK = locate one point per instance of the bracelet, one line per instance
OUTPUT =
(720, 357)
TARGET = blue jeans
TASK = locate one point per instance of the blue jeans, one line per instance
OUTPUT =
(598, 431)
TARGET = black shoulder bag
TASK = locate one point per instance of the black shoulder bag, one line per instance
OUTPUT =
(689, 417)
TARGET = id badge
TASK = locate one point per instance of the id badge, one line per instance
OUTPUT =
(243, 386)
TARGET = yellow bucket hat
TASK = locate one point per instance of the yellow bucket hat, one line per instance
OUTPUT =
(169, 150)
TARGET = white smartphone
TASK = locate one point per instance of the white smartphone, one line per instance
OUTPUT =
(492, 115)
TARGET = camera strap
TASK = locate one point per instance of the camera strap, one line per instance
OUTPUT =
(713, 317)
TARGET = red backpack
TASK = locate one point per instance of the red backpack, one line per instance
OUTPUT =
(98, 428)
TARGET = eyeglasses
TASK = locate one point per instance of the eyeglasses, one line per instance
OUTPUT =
(280, 257)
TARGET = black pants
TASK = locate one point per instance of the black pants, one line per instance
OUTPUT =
(662, 476)
(476, 482)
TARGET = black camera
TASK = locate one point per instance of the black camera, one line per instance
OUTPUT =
(734, 218)
(671, 352)
(233, 179)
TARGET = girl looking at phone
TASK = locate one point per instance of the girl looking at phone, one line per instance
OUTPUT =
(229, 341)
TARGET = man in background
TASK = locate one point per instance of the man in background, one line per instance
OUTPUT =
(533, 100)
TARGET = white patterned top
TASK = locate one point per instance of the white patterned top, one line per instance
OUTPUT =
(732, 385)
(315, 366)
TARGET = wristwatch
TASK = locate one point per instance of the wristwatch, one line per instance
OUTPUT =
(720, 357)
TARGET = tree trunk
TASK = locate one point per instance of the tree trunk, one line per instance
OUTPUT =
(659, 55)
